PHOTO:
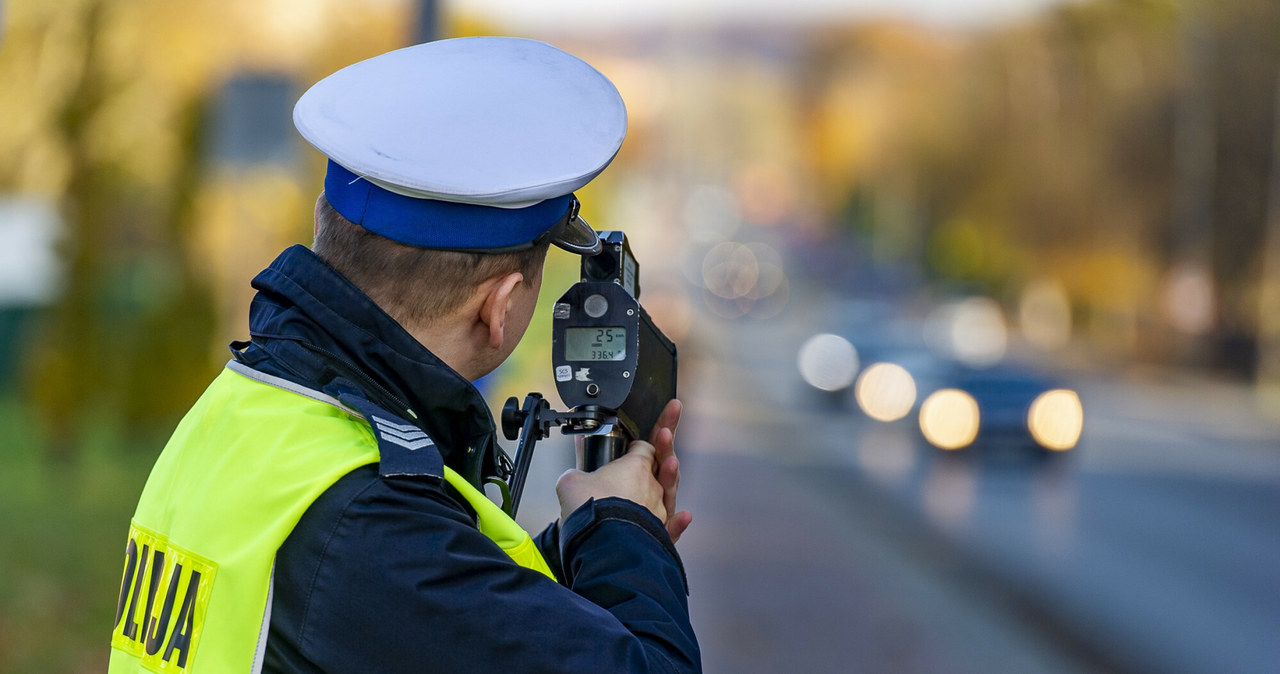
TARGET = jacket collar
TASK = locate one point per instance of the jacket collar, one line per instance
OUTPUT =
(316, 326)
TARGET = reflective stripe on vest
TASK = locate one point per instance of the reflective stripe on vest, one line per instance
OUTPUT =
(241, 468)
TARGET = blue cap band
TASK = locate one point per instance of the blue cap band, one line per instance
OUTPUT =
(430, 223)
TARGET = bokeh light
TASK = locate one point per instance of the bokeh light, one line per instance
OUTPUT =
(886, 392)
(1056, 419)
(949, 419)
(972, 331)
(772, 304)
(744, 279)
(769, 272)
(730, 270)
(828, 362)
(1044, 315)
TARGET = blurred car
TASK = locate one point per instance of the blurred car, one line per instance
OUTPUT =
(873, 359)
(1004, 406)
(884, 362)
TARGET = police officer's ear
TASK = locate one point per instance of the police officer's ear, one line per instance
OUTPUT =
(497, 305)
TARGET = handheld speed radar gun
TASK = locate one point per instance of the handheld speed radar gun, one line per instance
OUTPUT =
(613, 367)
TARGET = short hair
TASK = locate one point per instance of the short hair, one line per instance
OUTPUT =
(414, 285)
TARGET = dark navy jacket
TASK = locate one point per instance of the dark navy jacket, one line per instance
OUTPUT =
(390, 574)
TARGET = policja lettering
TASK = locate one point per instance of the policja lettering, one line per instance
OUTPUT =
(164, 641)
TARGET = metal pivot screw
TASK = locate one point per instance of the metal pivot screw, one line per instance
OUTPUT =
(626, 374)
(631, 312)
(593, 390)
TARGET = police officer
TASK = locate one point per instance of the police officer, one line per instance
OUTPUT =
(320, 508)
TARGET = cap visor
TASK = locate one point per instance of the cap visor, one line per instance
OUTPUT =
(578, 237)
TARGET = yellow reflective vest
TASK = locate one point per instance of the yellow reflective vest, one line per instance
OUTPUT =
(239, 472)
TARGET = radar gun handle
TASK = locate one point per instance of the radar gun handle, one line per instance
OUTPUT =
(600, 449)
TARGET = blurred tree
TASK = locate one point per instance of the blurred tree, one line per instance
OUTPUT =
(1242, 83)
(130, 303)
(106, 109)
(1115, 146)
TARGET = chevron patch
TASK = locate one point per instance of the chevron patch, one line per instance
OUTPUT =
(407, 436)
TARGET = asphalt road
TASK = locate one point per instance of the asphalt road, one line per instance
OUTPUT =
(823, 541)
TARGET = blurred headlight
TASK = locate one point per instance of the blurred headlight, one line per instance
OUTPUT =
(972, 331)
(886, 392)
(828, 362)
(1056, 419)
(949, 419)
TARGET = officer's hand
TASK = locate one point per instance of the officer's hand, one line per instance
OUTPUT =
(648, 474)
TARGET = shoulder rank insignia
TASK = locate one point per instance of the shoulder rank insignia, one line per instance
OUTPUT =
(404, 448)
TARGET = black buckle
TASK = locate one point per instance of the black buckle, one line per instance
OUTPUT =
(551, 234)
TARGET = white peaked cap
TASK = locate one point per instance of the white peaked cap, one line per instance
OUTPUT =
(493, 121)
